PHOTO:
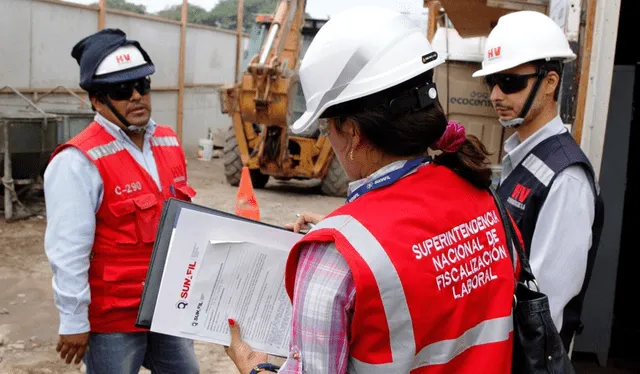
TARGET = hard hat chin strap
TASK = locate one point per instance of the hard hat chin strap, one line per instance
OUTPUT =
(516, 122)
(131, 128)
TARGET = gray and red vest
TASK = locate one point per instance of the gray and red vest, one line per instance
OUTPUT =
(525, 191)
(127, 220)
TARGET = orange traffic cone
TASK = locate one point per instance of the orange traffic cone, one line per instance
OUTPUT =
(246, 203)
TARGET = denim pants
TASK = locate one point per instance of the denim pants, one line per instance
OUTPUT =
(126, 353)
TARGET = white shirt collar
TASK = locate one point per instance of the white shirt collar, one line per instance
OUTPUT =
(118, 133)
(517, 150)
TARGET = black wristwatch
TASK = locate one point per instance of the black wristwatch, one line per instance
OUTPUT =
(264, 367)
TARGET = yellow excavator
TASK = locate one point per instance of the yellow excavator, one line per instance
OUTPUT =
(267, 100)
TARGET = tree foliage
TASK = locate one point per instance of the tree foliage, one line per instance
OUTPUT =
(195, 14)
(127, 6)
(224, 14)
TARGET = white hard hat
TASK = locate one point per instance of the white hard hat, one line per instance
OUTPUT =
(522, 37)
(123, 58)
(359, 52)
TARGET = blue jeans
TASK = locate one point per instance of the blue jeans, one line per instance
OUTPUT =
(125, 353)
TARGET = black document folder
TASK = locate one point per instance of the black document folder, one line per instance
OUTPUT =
(170, 213)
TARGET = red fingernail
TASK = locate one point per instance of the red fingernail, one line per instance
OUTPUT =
(231, 322)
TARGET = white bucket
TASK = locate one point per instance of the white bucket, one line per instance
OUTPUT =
(205, 149)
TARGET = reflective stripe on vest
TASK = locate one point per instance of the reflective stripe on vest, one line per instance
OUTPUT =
(105, 150)
(112, 147)
(396, 309)
(539, 169)
(164, 141)
(486, 332)
(394, 301)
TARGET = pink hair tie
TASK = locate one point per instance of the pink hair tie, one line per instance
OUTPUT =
(452, 139)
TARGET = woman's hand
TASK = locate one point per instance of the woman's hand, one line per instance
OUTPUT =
(303, 220)
(240, 353)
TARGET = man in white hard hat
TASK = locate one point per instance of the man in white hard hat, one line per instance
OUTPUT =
(104, 191)
(547, 182)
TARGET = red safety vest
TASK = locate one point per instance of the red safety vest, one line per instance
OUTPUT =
(127, 220)
(433, 275)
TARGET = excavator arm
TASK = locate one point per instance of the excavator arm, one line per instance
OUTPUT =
(267, 87)
(266, 100)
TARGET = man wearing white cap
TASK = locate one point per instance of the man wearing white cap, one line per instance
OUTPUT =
(547, 182)
(104, 193)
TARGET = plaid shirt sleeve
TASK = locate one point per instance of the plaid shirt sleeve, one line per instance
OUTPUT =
(322, 308)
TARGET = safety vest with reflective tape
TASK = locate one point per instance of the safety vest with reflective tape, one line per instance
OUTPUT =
(526, 190)
(127, 220)
(433, 276)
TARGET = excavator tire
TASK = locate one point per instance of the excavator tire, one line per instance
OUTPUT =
(336, 182)
(233, 164)
(232, 161)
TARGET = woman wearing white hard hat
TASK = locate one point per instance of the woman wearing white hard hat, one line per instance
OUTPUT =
(412, 274)
(547, 182)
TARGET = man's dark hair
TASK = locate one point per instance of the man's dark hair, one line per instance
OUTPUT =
(93, 94)
(549, 66)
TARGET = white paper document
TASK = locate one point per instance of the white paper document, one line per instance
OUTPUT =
(242, 281)
(219, 268)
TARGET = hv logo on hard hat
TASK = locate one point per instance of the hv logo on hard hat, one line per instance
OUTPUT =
(123, 59)
(493, 53)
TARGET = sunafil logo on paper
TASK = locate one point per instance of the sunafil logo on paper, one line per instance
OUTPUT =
(493, 53)
(186, 286)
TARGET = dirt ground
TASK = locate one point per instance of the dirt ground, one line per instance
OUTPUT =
(28, 317)
(29, 320)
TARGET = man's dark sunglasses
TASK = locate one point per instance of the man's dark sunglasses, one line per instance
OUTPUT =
(124, 90)
(509, 83)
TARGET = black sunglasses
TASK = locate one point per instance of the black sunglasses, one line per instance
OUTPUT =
(508, 83)
(124, 90)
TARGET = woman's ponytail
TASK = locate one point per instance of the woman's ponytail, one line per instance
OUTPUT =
(464, 154)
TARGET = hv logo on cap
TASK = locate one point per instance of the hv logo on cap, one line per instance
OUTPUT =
(123, 58)
(493, 53)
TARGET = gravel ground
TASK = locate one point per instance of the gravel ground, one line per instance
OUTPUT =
(28, 317)
(29, 320)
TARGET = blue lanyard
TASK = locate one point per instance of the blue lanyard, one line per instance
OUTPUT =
(388, 178)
